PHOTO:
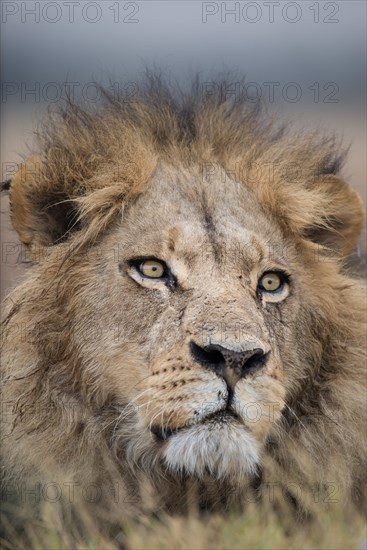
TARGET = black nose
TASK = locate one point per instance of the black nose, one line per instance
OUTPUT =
(230, 365)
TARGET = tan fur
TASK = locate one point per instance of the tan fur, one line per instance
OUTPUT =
(93, 356)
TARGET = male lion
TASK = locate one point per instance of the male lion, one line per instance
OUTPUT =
(190, 323)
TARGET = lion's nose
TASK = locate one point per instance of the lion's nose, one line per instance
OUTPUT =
(230, 365)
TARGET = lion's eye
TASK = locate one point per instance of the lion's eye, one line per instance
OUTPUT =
(271, 281)
(152, 268)
(150, 271)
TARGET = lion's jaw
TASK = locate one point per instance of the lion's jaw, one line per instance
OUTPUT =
(218, 432)
(221, 448)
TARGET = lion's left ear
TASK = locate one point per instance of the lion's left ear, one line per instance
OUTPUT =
(335, 215)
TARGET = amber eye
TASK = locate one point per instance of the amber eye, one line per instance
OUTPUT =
(152, 268)
(271, 281)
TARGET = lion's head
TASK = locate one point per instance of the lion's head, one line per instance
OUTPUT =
(189, 297)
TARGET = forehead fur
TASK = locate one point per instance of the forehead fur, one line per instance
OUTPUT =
(101, 161)
(124, 140)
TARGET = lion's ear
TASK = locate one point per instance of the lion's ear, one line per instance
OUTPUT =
(41, 211)
(335, 215)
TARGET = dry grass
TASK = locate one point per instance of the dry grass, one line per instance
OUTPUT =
(251, 532)
(255, 530)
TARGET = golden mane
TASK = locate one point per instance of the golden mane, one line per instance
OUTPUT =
(65, 416)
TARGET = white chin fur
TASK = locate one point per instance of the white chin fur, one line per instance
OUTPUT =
(225, 451)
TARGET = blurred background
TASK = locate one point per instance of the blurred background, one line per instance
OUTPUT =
(306, 59)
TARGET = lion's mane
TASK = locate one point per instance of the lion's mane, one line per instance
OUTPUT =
(60, 421)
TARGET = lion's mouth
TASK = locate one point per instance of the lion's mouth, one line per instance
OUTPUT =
(219, 417)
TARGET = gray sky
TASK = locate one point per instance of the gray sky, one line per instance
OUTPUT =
(269, 41)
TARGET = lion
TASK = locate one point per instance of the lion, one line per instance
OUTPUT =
(191, 330)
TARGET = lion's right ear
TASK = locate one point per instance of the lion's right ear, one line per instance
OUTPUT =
(41, 211)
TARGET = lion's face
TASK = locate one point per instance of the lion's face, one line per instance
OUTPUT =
(199, 296)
